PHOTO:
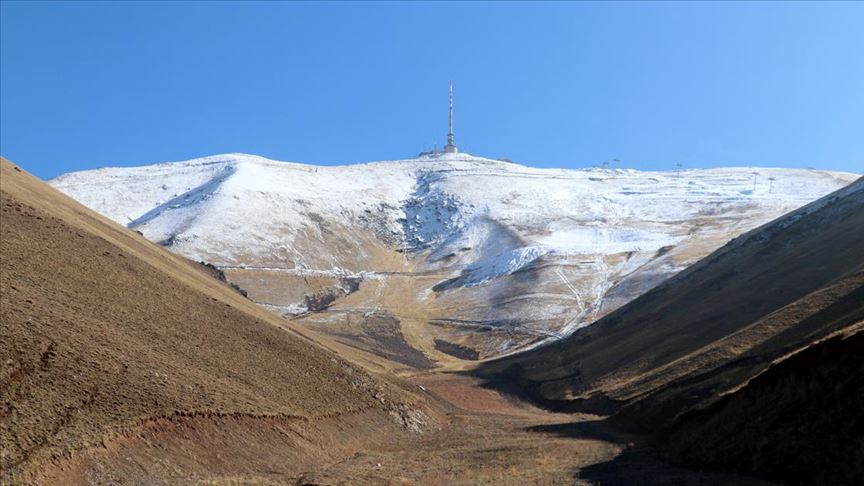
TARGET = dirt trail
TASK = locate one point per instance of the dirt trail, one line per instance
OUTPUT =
(487, 438)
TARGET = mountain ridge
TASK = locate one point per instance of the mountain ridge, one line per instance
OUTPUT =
(498, 256)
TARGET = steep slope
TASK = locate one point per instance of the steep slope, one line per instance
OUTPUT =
(801, 421)
(441, 258)
(711, 328)
(120, 360)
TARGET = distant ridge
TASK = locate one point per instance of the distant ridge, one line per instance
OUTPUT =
(487, 257)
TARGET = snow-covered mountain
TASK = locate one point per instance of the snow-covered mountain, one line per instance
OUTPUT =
(442, 256)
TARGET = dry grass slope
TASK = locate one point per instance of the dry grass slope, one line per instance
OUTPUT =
(104, 332)
(800, 421)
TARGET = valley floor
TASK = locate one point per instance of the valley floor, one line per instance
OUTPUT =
(487, 438)
(481, 438)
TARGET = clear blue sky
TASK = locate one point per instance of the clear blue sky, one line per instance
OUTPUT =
(556, 84)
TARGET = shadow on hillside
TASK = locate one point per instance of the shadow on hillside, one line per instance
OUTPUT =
(639, 462)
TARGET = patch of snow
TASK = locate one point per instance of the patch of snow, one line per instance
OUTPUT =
(605, 239)
(504, 263)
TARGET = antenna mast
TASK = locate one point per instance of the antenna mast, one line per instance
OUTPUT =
(450, 148)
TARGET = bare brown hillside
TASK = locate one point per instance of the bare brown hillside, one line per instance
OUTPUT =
(800, 421)
(107, 336)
